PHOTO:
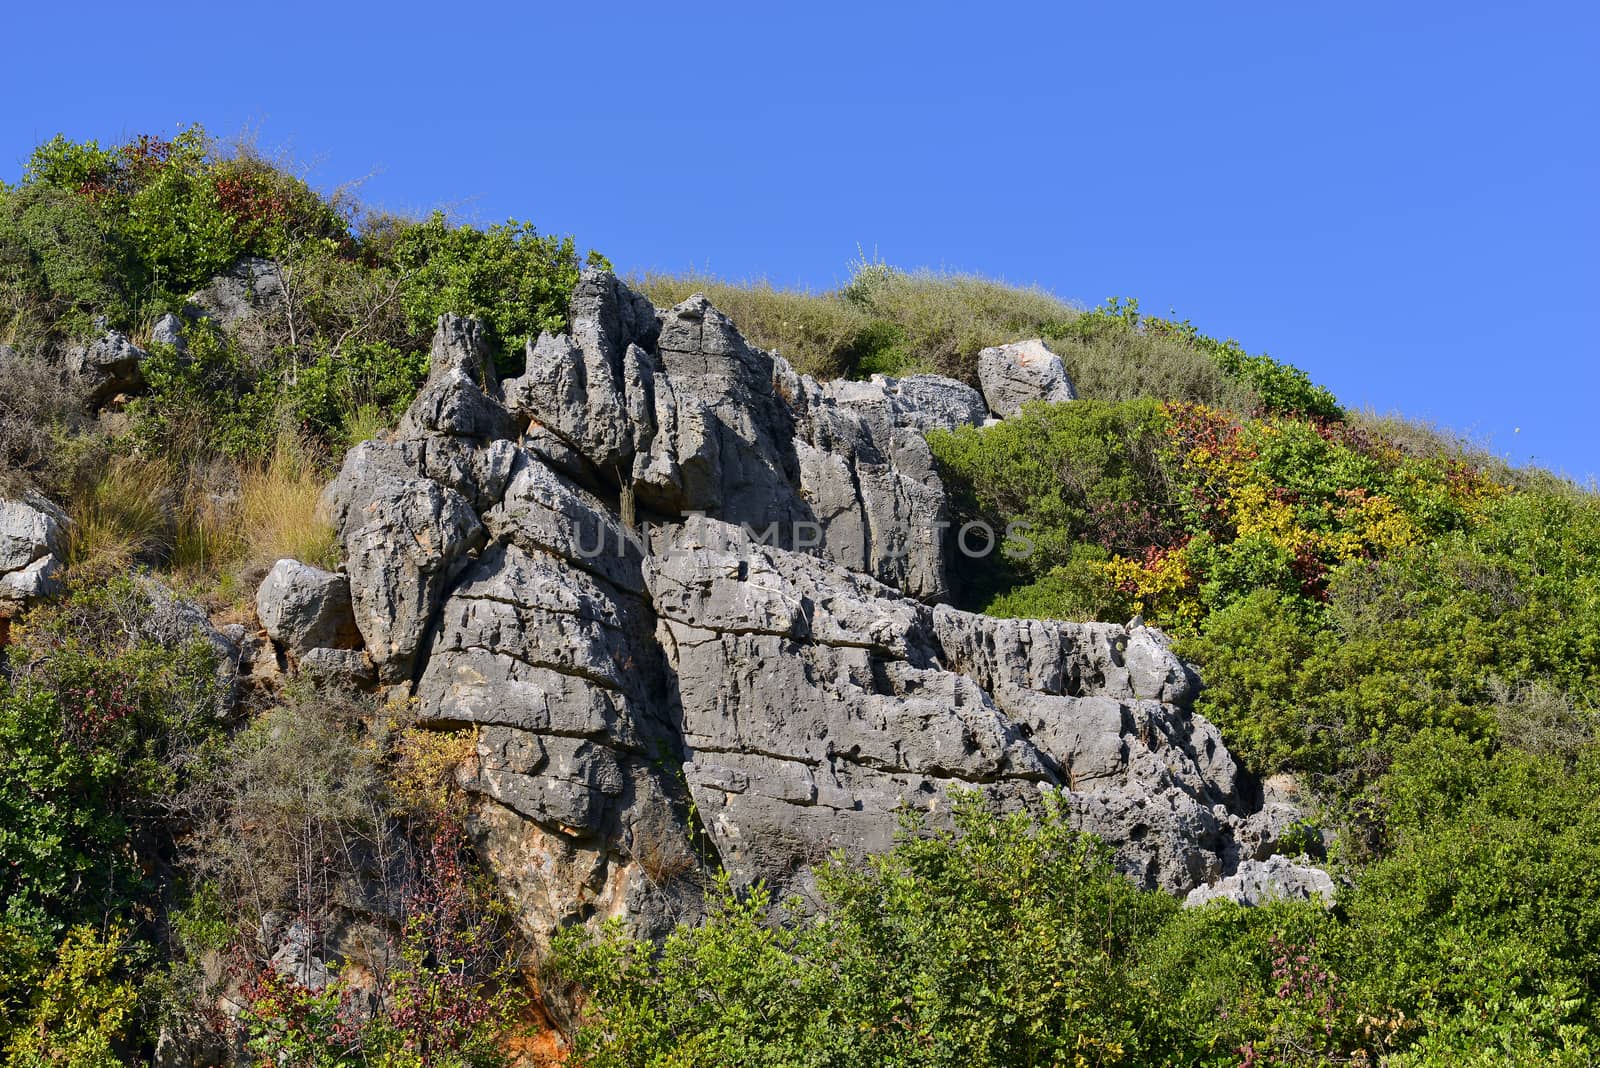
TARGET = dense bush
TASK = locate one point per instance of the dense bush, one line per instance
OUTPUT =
(1005, 943)
(101, 721)
(1010, 941)
(1081, 481)
(515, 280)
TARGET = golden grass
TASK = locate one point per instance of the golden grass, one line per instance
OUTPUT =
(213, 524)
(122, 515)
(883, 320)
(278, 514)
(901, 322)
(818, 333)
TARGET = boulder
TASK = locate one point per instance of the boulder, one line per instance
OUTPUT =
(1013, 375)
(1256, 882)
(168, 331)
(105, 368)
(33, 549)
(304, 608)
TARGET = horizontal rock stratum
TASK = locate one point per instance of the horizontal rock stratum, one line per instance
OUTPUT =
(696, 606)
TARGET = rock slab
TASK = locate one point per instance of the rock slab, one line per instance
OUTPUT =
(1022, 372)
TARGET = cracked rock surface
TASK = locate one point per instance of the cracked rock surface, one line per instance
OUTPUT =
(694, 605)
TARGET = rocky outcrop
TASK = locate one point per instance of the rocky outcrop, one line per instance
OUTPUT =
(105, 368)
(33, 549)
(693, 604)
(1012, 375)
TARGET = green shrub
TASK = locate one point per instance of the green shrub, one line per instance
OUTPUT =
(1482, 922)
(1427, 637)
(517, 281)
(1003, 942)
(81, 1011)
(185, 211)
(97, 727)
(1069, 474)
(62, 262)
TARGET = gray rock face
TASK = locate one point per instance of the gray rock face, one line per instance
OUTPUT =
(105, 368)
(1012, 375)
(249, 288)
(305, 608)
(815, 701)
(33, 548)
(462, 395)
(661, 573)
(1257, 882)
(169, 331)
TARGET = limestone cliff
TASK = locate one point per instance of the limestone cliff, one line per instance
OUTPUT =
(696, 606)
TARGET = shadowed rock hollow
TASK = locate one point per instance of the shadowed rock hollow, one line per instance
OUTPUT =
(695, 605)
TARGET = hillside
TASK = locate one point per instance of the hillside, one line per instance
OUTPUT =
(423, 646)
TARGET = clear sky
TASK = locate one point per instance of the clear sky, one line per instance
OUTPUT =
(1400, 198)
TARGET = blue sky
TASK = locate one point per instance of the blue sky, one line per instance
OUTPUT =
(1400, 198)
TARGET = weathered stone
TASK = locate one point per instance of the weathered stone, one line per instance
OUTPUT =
(169, 331)
(916, 402)
(305, 608)
(851, 693)
(462, 395)
(346, 667)
(297, 959)
(1012, 375)
(592, 389)
(106, 367)
(33, 546)
(402, 549)
(30, 528)
(29, 585)
(250, 288)
(1257, 882)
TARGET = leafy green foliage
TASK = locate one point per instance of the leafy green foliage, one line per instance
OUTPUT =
(517, 281)
(1427, 637)
(1000, 943)
(1062, 477)
(1011, 940)
(80, 1012)
(95, 729)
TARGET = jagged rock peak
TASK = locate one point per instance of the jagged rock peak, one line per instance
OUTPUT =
(462, 395)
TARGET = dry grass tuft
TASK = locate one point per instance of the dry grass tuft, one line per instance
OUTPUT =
(278, 513)
(883, 321)
(123, 515)
(818, 333)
